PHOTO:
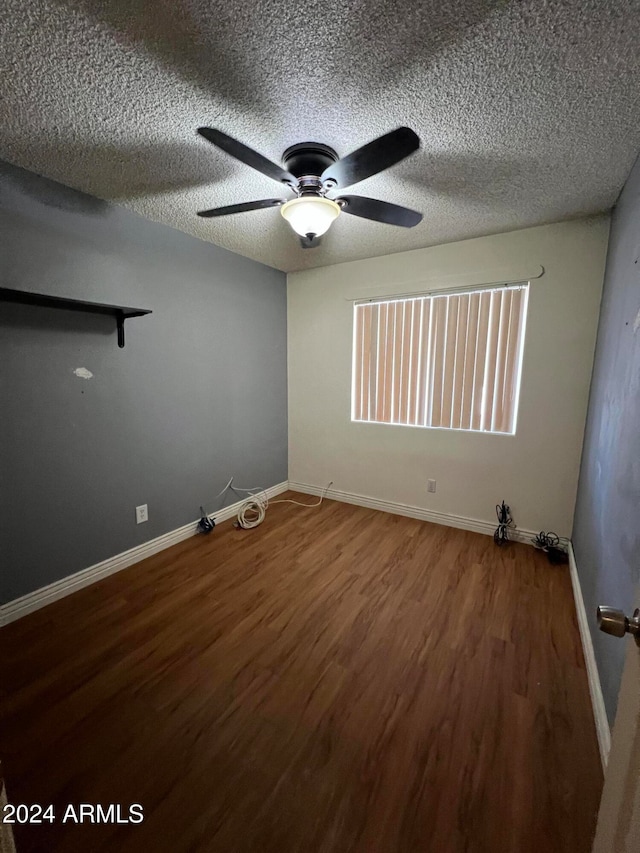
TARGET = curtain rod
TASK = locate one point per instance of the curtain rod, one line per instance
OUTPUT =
(443, 291)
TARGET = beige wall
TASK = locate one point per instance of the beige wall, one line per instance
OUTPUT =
(535, 471)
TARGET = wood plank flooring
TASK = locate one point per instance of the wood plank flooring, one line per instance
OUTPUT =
(338, 680)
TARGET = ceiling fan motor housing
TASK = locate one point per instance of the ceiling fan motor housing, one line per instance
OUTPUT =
(307, 161)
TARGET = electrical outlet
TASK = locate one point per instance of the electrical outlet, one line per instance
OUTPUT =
(431, 485)
(142, 514)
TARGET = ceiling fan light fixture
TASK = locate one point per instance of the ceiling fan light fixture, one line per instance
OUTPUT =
(310, 214)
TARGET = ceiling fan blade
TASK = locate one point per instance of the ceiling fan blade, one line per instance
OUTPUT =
(373, 157)
(379, 211)
(242, 208)
(310, 242)
(246, 155)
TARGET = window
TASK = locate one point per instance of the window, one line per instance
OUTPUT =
(450, 360)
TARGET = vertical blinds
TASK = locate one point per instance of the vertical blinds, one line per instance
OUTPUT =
(441, 361)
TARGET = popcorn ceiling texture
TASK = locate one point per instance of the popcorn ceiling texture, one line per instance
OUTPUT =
(528, 111)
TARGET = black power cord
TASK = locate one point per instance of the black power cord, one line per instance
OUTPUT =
(546, 540)
(206, 524)
(500, 537)
(550, 544)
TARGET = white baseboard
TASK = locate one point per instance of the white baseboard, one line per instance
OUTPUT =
(595, 688)
(447, 519)
(59, 589)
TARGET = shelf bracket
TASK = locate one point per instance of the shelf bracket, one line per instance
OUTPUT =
(120, 325)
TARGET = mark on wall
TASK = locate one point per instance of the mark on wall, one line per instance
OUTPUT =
(83, 373)
(636, 325)
(52, 193)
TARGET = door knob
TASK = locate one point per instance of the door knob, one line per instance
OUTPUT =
(614, 622)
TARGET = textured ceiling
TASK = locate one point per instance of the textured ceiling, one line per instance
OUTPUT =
(528, 111)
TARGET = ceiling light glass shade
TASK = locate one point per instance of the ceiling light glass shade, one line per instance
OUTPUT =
(310, 214)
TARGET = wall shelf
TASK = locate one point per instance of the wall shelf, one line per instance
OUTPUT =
(120, 312)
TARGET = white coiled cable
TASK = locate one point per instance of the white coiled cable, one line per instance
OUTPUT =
(252, 511)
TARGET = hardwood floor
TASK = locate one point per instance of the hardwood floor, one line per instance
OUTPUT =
(336, 680)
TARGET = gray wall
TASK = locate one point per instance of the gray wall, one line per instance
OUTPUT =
(606, 533)
(197, 395)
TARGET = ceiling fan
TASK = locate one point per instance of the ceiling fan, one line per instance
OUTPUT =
(312, 170)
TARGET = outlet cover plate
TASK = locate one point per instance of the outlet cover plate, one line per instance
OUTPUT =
(142, 513)
(431, 485)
